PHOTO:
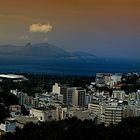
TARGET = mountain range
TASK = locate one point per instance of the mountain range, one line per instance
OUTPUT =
(47, 58)
(43, 50)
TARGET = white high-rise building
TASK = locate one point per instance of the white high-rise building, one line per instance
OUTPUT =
(118, 94)
(113, 115)
(56, 88)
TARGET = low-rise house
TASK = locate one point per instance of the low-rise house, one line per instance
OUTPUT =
(15, 110)
(44, 114)
(9, 125)
(84, 115)
(21, 121)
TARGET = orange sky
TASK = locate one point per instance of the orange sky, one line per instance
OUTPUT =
(63, 12)
(31, 7)
(72, 20)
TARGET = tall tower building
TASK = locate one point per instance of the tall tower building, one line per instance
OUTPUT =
(79, 97)
(56, 88)
(67, 94)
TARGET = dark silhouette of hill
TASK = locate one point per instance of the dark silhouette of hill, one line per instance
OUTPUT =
(42, 50)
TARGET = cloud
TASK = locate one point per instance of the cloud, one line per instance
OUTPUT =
(45, 39)
(40, 28)
(24, 37)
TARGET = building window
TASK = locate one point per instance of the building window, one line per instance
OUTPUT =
(40, 118)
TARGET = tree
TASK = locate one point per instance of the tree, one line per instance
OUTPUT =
(8, 99)
(4, 113)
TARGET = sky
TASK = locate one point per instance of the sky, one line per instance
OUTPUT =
(103, 27)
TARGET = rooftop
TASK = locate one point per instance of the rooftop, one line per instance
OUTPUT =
(12, 76)
(27, 119)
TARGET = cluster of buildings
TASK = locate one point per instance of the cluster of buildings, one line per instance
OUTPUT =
(108, 79)
(65, 101)
(111, 108)
(71, 96)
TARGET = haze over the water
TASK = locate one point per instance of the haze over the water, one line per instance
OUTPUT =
(103, 27)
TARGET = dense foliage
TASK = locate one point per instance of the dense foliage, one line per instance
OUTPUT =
(4, 113)
(6, 99)
(131, 83)
(74, 128)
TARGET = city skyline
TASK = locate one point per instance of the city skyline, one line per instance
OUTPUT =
(103, 27)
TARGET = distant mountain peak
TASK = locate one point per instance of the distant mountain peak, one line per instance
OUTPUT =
(28, 45)
(46, 50)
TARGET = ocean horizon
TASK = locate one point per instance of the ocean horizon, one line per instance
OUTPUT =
(81, 67)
